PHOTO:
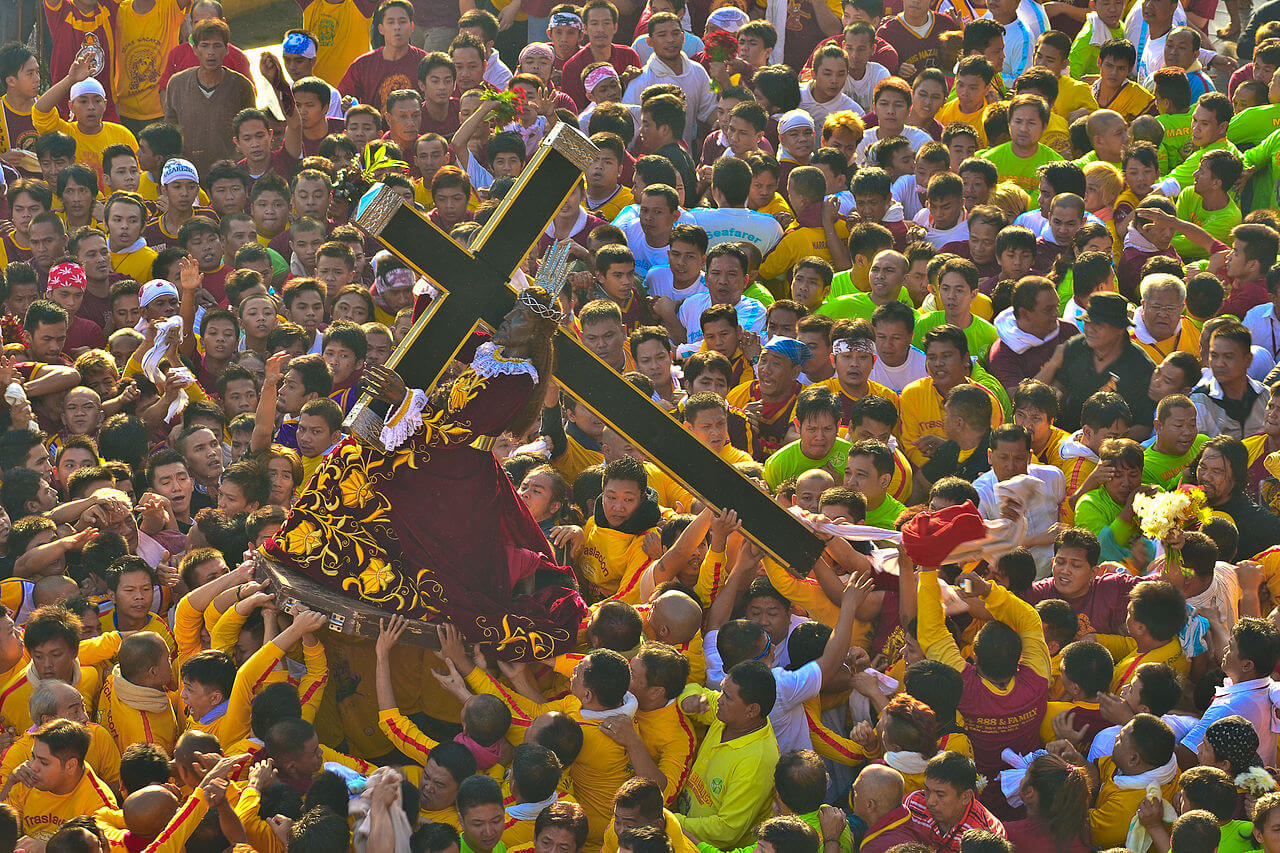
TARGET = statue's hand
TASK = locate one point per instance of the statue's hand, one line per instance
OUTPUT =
(384, 383)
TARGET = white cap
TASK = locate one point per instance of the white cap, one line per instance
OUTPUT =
(89, 86)
(794, 120)
(177, 169)
(727, 18)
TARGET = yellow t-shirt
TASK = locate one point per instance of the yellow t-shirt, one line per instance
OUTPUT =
(799, 242)
(343, 34)
(776, 205)
(89, 147)
(1116, 806)
(40, 813)
(103, 755)
(136, 264)
(1057, 135)
(921, 415)
(951, 112)
(128, 725)
(609, 209)
(1187, 340)
(143, 42)
(422, 194)
(613, 560)
(1073, 95)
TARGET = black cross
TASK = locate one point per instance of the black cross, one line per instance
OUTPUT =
(475, 289)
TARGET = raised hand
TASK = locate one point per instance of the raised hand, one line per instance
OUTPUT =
(389, 632)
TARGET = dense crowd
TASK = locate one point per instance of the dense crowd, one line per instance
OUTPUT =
(926, 273)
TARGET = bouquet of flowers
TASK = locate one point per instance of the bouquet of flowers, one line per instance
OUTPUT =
(721, 46)
(1162, 513)
(1256, 781)
(509, 105)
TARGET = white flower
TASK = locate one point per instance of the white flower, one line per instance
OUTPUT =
(1257, 781)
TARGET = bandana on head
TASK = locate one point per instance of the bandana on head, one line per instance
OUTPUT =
(154, 289)
(727, 18)
(178, 169)
(1234, 740)
(794, 120)
(537, 50)
(67, 275)
(852, 345)
(595, 78)
(566, 19)
(87, 87)
(789, 348)
(299, 44)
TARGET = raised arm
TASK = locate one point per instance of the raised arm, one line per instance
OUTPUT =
(931, 625)
(1018, 615)
(189, 279)
(264, 420)
(55, 94)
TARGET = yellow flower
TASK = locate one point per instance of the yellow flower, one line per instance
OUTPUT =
(303, 538)
(376, 577)
(357, 488)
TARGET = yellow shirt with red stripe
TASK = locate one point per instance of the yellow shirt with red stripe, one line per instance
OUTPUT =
(772, 432)
(103, 755)
(1256, 446)
(1054, 709)
(41, 813)
(669, 739)
(827, 743)
(128, 725)
(17, 693)
(233, 724)
(173, 838)
(1125, 650)
(601, 767)
(802, 591)
(188, 627)
(613, 560)
(956, 742)
(920, 414)
(405, 736)
(1052, 453)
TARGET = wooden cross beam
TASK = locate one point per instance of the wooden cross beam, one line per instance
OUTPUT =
(475, 286)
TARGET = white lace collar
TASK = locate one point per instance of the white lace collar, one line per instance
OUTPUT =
(489, 362)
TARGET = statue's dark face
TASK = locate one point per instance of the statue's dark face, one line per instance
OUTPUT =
(516, 329)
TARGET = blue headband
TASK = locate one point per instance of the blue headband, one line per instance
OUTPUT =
(790, 349)
(299, 44)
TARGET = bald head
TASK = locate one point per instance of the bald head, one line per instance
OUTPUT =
(889, 256)
(818, 479)
(677, 615)
(54, 589)
(195, 741)
(877, 791)
(147, 810)
(1101, 120)
(139, 654)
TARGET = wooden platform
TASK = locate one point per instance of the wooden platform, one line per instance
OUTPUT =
(294, 592)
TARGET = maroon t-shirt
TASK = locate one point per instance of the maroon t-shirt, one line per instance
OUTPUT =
(1102, 609)
(921, 51)
(1129, 270)
(311, 147)
(961, 248)
(445, 128)
(370, 79)
(95, 309)
(84, 333)
(283, 164)
(881, 52)
(1012, 367)
(571, 76)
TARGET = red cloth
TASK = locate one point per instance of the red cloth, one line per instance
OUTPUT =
(930, 536)
(439, 518)
(889, 831)
(183, 57)
(371, 78)
(1243, 74)
(445, 128)
(1129, 270)
(881, 52)
(84, 333)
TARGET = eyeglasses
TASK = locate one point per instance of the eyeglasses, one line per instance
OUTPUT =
(768, 644)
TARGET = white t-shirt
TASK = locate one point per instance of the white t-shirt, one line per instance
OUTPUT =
(862, 90)
(751, 316)
(939, 238)
(914, 135)
(738, 224)
(496, 72)
(907, 193)
(630, 215)
(659, 282)
(700, 101)
(692, 45)
(820, 110)
(647, 257)
(901, 376)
